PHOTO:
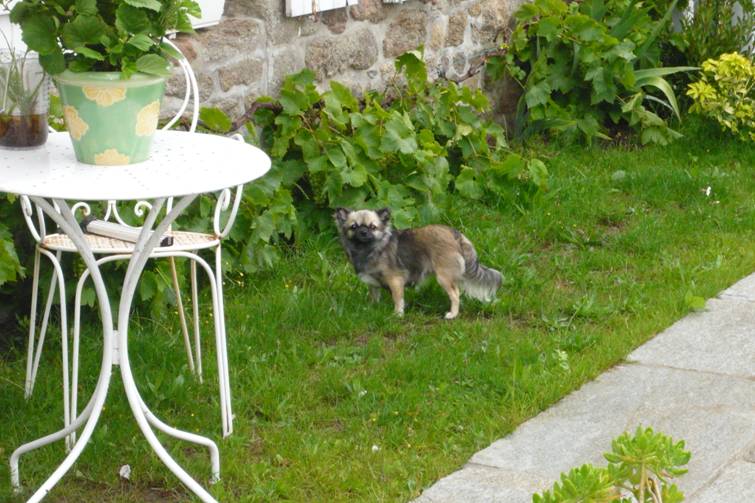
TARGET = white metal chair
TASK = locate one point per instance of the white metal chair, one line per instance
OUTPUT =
(185, 245)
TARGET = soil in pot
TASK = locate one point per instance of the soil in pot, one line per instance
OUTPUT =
(23, 131)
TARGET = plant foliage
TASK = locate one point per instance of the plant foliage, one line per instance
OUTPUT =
(726, 93)
(589, 67)
(409, 151)
(103, 35)
(715, 27)
(639, 470)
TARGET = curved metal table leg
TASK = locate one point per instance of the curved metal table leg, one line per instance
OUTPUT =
(142, 249)
(90, 415)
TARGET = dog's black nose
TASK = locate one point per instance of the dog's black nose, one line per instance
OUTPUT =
(363, 233)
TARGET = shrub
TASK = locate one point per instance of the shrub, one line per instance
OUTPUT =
(408, 151)
(639, 470)
(726, 93)
(716, 27)
(589, 67)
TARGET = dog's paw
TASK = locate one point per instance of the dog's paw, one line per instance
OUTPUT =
(450, 316)
(399, 314)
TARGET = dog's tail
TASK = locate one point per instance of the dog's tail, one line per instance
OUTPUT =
(478, 282)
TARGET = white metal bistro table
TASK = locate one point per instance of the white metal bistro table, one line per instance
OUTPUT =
(183, 165)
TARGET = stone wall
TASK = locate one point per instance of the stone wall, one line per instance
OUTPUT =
(255, 46)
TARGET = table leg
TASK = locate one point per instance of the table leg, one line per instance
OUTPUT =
(91, 413)
(142, 249)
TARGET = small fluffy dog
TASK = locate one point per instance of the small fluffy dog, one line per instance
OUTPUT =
(393, 259)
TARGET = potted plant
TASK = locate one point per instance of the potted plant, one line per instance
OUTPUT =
(109, 62)
(23, 100)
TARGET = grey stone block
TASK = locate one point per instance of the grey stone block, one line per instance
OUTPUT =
(744, 288)
(714, 414)
(736, 483)
(720, 339)
(477, 483)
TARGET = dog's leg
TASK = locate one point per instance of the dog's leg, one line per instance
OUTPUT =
(396, 286)
(453, 294)
(375, 293)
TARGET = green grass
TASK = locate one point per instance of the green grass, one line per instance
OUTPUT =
(320, 376)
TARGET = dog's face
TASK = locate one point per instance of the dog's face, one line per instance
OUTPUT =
(363, 227)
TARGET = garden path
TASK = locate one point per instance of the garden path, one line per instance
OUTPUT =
(694, 381)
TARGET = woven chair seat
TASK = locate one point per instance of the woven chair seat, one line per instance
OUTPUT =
(182, 240)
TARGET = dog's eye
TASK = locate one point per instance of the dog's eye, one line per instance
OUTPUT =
(373, 227)
(353, 226)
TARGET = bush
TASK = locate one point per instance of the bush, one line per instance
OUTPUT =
(590, 67)
(726, 93)
(408, 150)
(716, 27)
(639, 470)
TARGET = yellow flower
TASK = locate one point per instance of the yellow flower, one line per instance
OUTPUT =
(111, 157)
(105, 96)
(146, 119)
(76, 125)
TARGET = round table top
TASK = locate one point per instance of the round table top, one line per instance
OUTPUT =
(182, 163)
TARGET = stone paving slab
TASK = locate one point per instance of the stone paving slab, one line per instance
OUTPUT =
(744, 288)
(695, 381)
(715, 415)
(484, 484)
(720, 339)
(735, 484)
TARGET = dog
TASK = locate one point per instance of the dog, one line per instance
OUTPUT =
(390, 259)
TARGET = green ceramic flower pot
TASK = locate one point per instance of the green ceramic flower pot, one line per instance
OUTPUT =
(111, 120)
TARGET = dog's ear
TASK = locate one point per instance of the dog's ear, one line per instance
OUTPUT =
(341, 215)
(384, 214)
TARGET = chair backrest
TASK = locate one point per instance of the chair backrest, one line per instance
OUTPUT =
(112, 213)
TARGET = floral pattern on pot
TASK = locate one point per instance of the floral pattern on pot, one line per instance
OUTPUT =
(146, 119)
(104, 96)
(120, 115)
(75, 124)
(111, 157)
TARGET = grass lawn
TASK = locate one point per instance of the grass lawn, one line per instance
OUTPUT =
(337, 400)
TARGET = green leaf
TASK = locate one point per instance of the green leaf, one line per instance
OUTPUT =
(399, 136)
(79, 64)
(38, 33)
(661, 72)
(154, 5)
(663, 86)
(54, 62)
(336, 157)
(215, 119)
(131, 20)
(584, 27)
(22, 11)
(548, 27)
(153, 64)
(538, 94)
(89, 53)
(628, 20)
(412, 65)
(355, 177)
(86, 7)
(467, 185)
(141, 42)
(83, 30)
(169, 50)
(660, 25)
(344, 96)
